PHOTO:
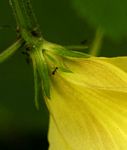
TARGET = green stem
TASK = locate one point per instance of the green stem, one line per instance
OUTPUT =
(26, 20)
(30, 33)
(95, 49)
(11, 50)
(23, 13)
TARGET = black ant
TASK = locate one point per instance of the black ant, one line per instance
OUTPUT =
(54, 71)
(35, 33)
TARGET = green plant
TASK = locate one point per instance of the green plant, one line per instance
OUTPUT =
(83, 93)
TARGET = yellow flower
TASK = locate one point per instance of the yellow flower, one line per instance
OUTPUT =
(88, 107)
(86, 98)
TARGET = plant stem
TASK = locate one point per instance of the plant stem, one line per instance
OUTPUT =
(25, 18)
(24, 14)
(96, 45)
(11, 50)
(30, 33)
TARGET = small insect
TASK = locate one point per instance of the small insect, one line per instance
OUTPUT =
(35, 33)
(54, 71)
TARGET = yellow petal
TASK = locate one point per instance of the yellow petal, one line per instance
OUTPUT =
(57, 139)
(97, 73)
(92, 114)
(120, 62)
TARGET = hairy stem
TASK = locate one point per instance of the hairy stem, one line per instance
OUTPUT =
(25, 18)
(24, 14)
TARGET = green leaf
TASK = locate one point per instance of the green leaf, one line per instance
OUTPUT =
(110, 15)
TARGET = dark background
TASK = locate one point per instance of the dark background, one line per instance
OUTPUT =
(21, 125)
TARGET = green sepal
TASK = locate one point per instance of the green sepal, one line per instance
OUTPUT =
(55, 61)
(59, 64)
(36, 85)
(44, 75)
(69, 53)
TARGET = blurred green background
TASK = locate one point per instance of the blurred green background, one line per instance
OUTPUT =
(21, 125)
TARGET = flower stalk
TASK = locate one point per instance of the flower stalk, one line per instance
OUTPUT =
(26, 20)
(10, 50)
